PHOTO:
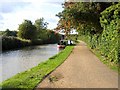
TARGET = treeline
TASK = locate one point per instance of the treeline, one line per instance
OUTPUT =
(98, 24)
(29, 34)
(7, 32)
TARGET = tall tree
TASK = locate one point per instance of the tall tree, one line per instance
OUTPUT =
(7, 32)
(41, 26)
(82, 13)
(27, 30)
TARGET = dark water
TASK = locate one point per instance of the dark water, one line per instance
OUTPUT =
(16, 61)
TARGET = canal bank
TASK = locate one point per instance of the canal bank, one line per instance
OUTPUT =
(81, 70)
(16, 61)
(30, 78)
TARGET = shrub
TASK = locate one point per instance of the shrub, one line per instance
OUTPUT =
(109, 39)
(13, 42)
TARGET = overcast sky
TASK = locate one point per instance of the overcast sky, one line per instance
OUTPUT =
(13, 12)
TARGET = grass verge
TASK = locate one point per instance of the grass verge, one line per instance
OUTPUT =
(104, 60)
(101, 57)
(27, 80)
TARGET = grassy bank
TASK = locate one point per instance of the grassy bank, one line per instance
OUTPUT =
(10, 42)
(103, 59)
(30, 78)
(101, 56)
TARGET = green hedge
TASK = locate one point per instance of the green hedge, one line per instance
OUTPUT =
(13, 42)
(110, 21)
(107, 43)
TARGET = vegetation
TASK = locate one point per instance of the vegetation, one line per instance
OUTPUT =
(110, 21)
(29, 34)
(9, 43)
(27, 30)
(30, 78)
(98, 25)
(41, 27)
(107, 42)
(1, 33)
(7, 32)
(52, 37)
(81, 14)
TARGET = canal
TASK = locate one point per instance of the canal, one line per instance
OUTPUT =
(16, 61)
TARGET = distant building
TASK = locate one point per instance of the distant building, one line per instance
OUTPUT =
(62, 33)
(72, 32)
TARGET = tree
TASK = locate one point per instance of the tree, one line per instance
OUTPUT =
(27, 30)
(7, 32)
(82, 13)
(41, 26)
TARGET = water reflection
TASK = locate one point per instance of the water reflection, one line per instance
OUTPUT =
(16, 61)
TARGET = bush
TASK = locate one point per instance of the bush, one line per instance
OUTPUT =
(13, 42)
(107, 42)
(9, 33)
(109, 39)
(37, 42)
(27, 30)
(53, 37)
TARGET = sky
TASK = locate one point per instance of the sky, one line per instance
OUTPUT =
(14, 12)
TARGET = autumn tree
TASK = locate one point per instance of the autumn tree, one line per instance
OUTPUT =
(81, 14)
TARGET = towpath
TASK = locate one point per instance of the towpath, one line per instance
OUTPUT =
(82, 69)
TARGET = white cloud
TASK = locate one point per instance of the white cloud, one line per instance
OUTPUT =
(32, 11)
(32, 0)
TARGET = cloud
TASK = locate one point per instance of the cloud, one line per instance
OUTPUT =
(1, 17)
(7, 7)
(13, 12)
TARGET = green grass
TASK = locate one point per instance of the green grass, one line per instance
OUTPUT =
(104, 60)
(29, 79)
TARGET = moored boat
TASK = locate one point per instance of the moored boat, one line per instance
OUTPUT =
(61, 46)
(62, 43)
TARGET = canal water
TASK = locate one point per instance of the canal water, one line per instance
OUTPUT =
(16, 61)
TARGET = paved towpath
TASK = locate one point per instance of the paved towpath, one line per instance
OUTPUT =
(82, 69)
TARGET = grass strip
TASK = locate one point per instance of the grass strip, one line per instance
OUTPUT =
(29, 79)
(104, 60)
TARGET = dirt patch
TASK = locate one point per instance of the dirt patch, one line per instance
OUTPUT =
(55, 77)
